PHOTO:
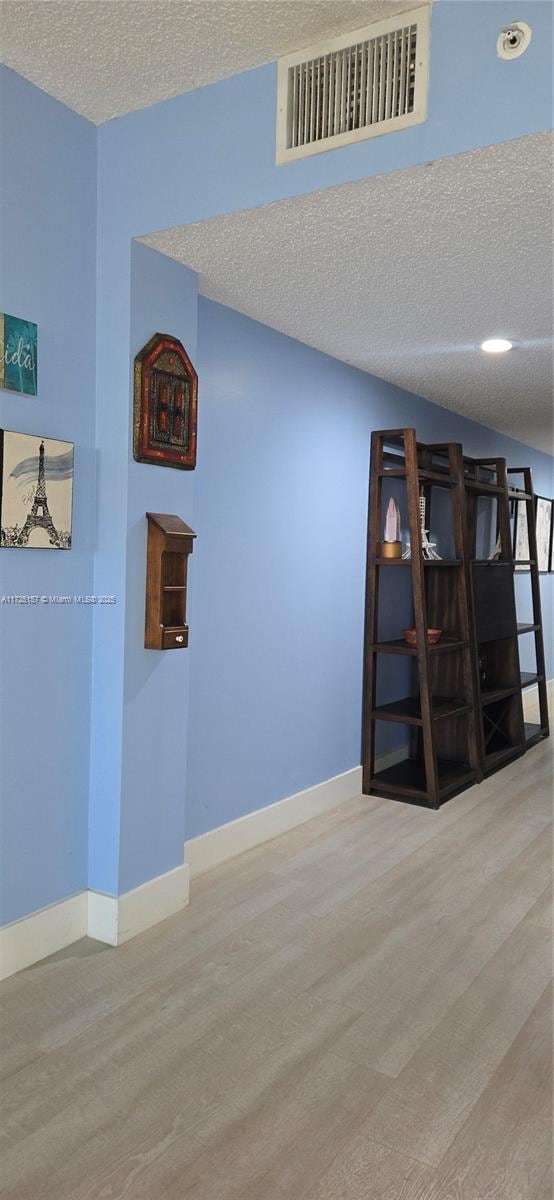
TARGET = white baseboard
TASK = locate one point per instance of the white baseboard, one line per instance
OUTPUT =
(103, 917)
(27, 941)
(110, 919)
(226, 841)
(117, 919)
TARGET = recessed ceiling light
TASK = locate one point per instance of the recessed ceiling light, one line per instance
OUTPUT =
(496, 345)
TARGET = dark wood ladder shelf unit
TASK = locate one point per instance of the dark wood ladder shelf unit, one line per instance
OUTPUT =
(499, 682)
(463, 706)
(498, 678)
(495, 654)
(441, 757)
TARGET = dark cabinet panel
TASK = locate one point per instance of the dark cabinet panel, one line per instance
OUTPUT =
(493, 596)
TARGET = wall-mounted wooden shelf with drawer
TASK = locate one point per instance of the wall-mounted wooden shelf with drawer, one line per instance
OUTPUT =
(169, 544)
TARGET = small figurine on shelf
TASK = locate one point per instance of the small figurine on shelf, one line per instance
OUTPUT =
(427, 548)
(483, 670)
(392, 545)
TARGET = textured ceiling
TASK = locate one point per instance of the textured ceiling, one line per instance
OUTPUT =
(104, 58)
(404, 275)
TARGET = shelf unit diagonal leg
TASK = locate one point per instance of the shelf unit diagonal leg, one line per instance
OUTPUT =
(529, 502)
(371, 610)
(470, 525)
(420, 617)
(470, 538)
(424, 462)
(507, 552)
(498, 466)
(456, 461)
(503, 511)
(494, 641)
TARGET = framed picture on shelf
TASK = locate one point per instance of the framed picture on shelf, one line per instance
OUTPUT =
(521, 537)
(543, 526)
(36, 492)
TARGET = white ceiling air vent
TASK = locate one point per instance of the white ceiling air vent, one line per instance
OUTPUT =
(356, 86)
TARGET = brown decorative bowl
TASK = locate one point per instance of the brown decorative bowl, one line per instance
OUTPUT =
(433, 636)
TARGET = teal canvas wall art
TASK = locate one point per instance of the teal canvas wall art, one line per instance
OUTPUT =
(18, 350)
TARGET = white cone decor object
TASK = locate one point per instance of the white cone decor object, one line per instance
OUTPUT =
(392, 545)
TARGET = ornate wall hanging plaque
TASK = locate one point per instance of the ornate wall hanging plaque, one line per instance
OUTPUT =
(165, 404)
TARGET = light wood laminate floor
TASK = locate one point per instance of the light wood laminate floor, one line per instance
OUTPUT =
(359, 1010)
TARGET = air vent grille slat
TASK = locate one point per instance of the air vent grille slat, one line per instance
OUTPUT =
(366, 84)
(354, 91)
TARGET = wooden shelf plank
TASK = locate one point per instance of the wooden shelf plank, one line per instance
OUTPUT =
(408, 710)
(498, 757)
(490, 696)
(527, 628)
(427, 562)
(437, 478)
(492, 562)
(487, 489)
(442, 479)
(392, 562)
(399, 646)
(528, 678)
(441, 562)
(534, 733)
(407, 778)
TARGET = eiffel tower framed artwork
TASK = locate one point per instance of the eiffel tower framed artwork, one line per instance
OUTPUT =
(36, 496)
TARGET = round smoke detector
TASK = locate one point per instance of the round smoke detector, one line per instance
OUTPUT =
(513, 40)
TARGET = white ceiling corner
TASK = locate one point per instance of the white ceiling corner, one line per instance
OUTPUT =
(403, 275)
(104, 58)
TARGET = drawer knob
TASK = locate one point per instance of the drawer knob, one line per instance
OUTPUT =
(179, 637)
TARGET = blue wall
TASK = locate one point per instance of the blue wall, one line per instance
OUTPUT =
(277, 600)
(155, 714)
(280, 509)
(212, 151)
(137, 829)
(48, 222)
